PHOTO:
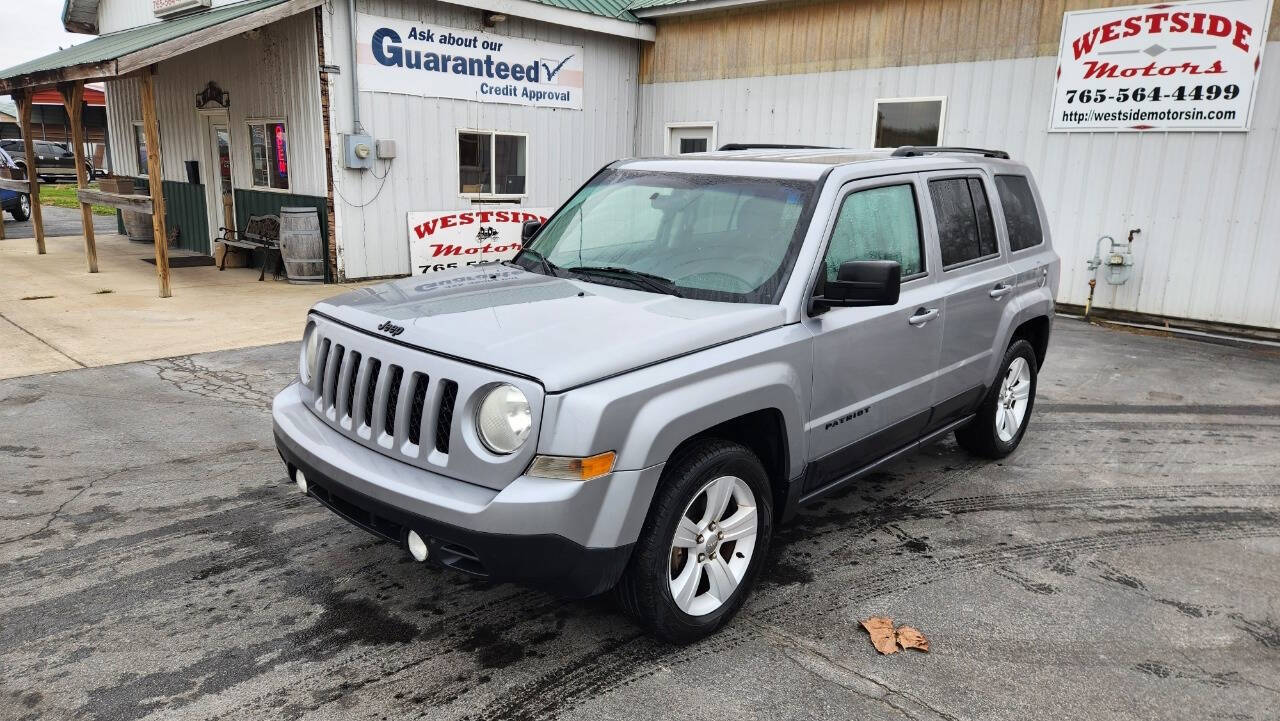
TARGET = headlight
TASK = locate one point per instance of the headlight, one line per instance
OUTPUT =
(307, 361)
(503, 419)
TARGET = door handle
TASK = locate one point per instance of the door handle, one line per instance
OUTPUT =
(1001, 290)
(922, 316)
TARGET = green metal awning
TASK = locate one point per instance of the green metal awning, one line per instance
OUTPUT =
(121, 53)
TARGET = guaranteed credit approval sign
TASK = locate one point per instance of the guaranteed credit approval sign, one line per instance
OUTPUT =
(1179, 66)
(435, 61)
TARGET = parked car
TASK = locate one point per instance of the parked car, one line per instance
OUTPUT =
(689, 350)
(54, 161)
(17, 204)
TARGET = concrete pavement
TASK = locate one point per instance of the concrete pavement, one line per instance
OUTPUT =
(157, 564)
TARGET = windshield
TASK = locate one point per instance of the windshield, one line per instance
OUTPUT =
(701, 236)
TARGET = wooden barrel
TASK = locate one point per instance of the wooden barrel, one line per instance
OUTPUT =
(301, 245)
(138, 226)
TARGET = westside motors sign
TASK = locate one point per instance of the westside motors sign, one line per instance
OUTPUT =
(449, 239)
(434, 61)
(1184, 66)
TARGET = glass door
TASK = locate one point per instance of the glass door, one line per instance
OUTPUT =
(223, 196)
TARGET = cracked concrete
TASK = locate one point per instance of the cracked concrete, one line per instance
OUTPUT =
(156, 564)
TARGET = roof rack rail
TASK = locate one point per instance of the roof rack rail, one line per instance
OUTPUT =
(771, 146)
(911, 151)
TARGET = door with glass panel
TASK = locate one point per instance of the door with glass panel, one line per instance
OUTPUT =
(874, 367)
(220, 195)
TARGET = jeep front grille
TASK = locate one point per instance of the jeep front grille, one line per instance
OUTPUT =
(408, 403)
(357, 395)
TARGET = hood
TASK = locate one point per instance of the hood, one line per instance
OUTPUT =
(563, 332)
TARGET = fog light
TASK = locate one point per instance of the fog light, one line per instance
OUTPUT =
(301, 480)
(417, 546)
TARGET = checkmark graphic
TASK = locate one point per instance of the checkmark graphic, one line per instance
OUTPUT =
(551, 73)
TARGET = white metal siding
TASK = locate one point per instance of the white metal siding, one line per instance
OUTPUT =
(272, 75)
(116, 15)
(1206, 202)
(565, 147)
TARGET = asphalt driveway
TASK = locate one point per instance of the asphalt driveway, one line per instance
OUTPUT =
(1124, 563)
(57, 222)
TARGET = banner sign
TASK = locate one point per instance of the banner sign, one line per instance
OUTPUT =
(447, 239)
(434, 61)
(1179, 66)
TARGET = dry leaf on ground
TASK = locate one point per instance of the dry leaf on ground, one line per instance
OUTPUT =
(881, 630)
(909, 637)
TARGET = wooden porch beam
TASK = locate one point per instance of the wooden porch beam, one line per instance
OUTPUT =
(155, 176)
(73, 98)
(33, 180)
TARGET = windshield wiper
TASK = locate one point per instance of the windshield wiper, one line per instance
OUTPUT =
(551, 269)
(639, 277)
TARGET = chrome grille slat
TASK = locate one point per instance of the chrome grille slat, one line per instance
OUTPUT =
(376, 412)
(328, 398)
(346, 379)
(390, 398)
(403, 405)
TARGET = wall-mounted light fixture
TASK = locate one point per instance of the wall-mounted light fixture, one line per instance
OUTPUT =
(492, 19)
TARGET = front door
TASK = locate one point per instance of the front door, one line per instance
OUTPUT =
(874, 368)
(219, 196)
(977, 282)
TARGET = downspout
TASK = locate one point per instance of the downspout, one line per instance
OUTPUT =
(356, 127)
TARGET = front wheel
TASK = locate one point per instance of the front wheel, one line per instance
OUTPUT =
(23, 211)
(703, 543)
(1002, 419)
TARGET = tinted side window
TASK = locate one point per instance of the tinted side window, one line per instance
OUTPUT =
(965, 229)
(877, 224)
(1020, 214)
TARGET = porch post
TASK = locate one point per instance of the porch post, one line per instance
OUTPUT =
(155, 173)
(33, 181)
(73, 99)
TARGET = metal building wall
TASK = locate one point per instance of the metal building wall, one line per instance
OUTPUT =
(565, 147)
(116, 15)
(271, 75)
(1206, 202)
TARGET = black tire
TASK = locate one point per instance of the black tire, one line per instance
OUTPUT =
(22, 211)
(644, 590)
(979, 436)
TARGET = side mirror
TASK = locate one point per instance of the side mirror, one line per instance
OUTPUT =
(529, 229)
(861, 283)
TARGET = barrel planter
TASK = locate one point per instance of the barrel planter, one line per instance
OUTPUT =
(302, 245)
(138, 226)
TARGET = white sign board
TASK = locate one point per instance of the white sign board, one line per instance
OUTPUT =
(169, 8)
(1179, 66)
(447, 239)
(435, 61)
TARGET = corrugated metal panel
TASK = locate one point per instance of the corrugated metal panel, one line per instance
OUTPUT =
(565, 147)
(1205, 201)
(185, 209)
(116, 45)
(115, 15)
(272, 75)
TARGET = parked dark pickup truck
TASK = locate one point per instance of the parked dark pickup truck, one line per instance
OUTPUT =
(53, 160)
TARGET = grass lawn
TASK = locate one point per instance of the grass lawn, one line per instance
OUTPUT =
(63, 195)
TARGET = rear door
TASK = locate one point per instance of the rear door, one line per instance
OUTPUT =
(976, 282)
(873, 368)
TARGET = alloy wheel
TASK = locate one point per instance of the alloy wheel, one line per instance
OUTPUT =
(713, 545)
(1015, 396)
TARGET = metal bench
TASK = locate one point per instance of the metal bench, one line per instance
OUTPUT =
(262, 232)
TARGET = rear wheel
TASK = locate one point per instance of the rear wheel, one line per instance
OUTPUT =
(1002, 419)
(23, 211)
(703, 544)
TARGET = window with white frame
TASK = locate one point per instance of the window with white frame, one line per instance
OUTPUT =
(492, 164)
(909, 121)
(140, 146)
(269, 152)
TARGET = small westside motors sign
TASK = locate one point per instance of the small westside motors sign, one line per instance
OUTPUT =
(1180, 66)
(447, 239)
(435, 61)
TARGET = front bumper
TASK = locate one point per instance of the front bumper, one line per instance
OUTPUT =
(569, 537)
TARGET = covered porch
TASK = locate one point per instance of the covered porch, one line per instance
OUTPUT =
(170, 119)
(59, 317)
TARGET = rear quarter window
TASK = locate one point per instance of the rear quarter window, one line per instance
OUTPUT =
(965, 229)
(1020, 214)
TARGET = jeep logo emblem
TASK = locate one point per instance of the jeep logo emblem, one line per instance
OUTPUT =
(391, 328)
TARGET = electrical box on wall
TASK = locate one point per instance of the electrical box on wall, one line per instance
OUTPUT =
(386, 149)
(358, 151)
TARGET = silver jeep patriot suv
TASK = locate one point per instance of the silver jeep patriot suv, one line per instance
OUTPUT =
(687, 351)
